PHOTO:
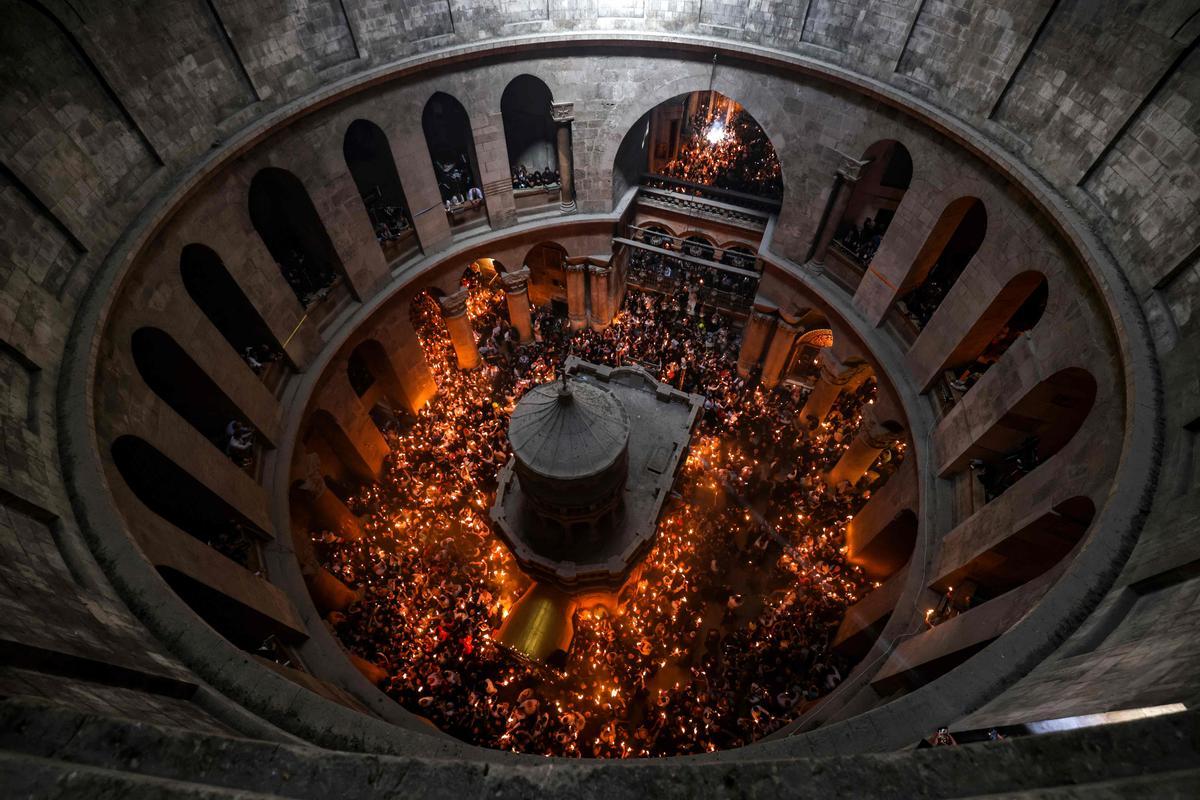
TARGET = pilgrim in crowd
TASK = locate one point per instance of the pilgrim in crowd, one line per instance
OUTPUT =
(726, 633)
(523, 178)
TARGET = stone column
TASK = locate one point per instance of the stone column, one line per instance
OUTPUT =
(754, 340)
(775, 361)
(328, 511)
(563, 115)
(847, 175)
(602, 315)
(458, 324)
(835, 378)
(872, 438)
(516, 295)
(576, 295)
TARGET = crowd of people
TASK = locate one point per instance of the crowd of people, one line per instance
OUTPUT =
(860, 242)
(725, 148)
(700, 282)
(726, 633)
(523, 178)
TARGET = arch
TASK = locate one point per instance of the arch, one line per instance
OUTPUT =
(368, 155)
(702, 137)
(342, 465)
(949, 247)
(739, 256)
(451, 143)
(545, 257)
(1016, 559)
(173, 494)
(1017, 308)
(220, 297)
(1039, 425)
(529, 129)
(874, 199)
(374, 381)
(179, 382)
(288, 223)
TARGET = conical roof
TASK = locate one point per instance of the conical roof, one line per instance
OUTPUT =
(569, 429)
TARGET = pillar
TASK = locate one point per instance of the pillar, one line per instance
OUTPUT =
(847, 175)
(602, 313)
(576, 295)
(516, 295)
(327, 590)
(835, 379)
(872, 438)
(563, 115)
(776, 360)
(328, 512)
(458, 324)
(754, 340)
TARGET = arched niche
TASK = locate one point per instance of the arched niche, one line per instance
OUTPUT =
(179, 382)
(1016, 309)
(529, 129)
(368, 156)
(1033, 430)
(172, 493)
(451, 145)
(288, 223)
(873, 201)
(219, 296)
(949, 247)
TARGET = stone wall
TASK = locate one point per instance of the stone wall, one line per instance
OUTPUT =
(108, 105)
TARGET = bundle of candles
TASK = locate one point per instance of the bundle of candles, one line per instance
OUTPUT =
(726, 633)
(724, 147)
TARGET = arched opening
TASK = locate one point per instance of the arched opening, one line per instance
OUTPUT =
(173, 494)
(368, 156)
(180, 383)
(950, 246)
(708, 139)
(342, 466)
(699, 246)
(426, 318)
(546, 278)
(244, 626)
(882, 554)
(529, 132)
(451, 144)
(873, 201)
(221, 299)
(1038, 426)
(1016, 309)
(1015, 560)
(284, 216)
(739, 256)
(374, 380)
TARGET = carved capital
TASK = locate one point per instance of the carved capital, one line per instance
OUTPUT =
(575, 268)
(880, 434)
(454, 305)
(515, 282)
(562, 113)
(851, 168)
